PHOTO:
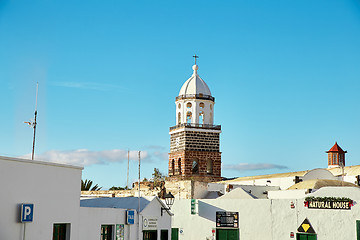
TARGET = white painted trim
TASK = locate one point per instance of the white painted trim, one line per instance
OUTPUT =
(40, 162)
(193, 130)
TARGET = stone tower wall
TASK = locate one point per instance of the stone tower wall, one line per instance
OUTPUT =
(195, 141)
(184, 169)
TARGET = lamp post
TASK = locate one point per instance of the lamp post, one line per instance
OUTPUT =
(169, 200)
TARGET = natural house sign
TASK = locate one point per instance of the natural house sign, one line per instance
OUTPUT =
(328, 203)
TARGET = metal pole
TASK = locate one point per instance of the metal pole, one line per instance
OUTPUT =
(139, 199)
(127, 179)
(24, 231)
(139, 181)
(33, 147)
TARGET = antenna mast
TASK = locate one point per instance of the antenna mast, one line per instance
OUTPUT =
(34, 123)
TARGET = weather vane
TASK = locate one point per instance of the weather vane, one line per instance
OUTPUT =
(195, 56)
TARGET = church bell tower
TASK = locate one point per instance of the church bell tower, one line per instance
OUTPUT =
(195, 140)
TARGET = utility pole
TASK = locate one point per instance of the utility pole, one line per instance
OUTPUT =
(127, 179)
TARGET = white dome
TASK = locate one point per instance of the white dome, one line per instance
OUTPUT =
(195, 85)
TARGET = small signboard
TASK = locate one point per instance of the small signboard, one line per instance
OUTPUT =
(341, 205)
(27, 212)
(193, 206)
(150, 223)
(130, 216)
(120, 233)
(306, 227)
(227, 219)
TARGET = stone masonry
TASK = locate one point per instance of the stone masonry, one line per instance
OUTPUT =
(188, 146)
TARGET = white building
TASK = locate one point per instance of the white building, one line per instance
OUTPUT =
(49, 194)
(54, 191)
(109, 214)
(270, 219)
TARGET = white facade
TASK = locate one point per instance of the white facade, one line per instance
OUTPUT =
(270, 219)
(54, 189)
(91, 218)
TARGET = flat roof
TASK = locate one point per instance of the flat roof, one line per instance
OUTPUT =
(115, 202)
(336, 171)
(3, 158)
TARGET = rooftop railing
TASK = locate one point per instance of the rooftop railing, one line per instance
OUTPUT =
(196, 96)
(197, 125)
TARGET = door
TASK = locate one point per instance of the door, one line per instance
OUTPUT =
(174, 234)
(164, 235)
(106, 232)
(304, 236)
(150, 235)
(227, 234)
(59, 232)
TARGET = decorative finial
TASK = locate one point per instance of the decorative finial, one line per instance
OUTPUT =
(195, 56)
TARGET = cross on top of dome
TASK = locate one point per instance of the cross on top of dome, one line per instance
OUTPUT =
(195, 57)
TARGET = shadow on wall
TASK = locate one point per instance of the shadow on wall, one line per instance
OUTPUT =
(208, 211)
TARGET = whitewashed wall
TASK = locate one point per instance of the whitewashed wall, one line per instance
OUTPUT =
(283, 183)
(54, 190)
(265, 219)
(92, 218)
(153, 209)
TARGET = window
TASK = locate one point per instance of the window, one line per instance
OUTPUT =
(61, 231)
(106, 232)
(174, 234)
(179, 165)
(202, 105)
(149, 235)
(179, 105)
(201, 117)
(188, 117)
(173, 166)
(195, 166)
(164, 235)
(188, 105)
(209, 166)
(179, 118)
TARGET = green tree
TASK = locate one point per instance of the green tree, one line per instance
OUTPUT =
(117, 188)
(87, 186)
(158, 177)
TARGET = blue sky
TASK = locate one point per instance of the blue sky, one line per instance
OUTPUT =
(285, 76)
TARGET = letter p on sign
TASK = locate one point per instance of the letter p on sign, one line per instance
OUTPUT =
(27, 212)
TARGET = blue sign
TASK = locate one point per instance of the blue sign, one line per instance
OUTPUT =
(27, 212)
(130, 216)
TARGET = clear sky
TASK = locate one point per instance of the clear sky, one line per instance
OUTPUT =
(285, 76)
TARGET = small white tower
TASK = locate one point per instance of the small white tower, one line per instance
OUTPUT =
(195, 105)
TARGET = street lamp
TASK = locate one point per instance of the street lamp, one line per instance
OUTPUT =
(169, 200)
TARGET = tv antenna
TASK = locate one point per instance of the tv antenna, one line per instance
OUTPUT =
(33, 123)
